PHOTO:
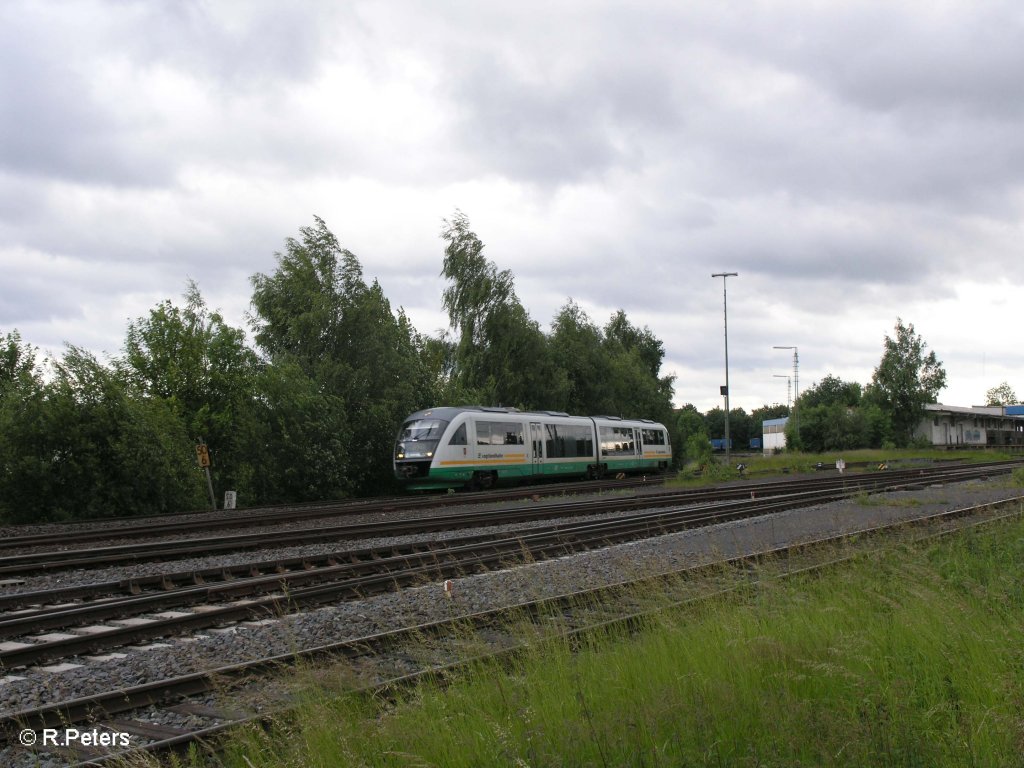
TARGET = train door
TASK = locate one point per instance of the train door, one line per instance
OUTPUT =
(638, 448)
(537, 441)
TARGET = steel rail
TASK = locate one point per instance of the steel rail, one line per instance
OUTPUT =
(198, 576)
(157, 525)
(358, 580)
(387, 575)
(254, 571)
(36, 562)
(362, 562)
(96, 708)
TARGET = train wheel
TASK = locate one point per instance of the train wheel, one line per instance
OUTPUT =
(482, 481)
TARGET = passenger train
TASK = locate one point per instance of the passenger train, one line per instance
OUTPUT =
(478, 447)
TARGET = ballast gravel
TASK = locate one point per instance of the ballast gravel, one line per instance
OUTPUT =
(22, 689)
(82, 576)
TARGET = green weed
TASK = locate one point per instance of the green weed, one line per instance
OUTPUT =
(911, 658)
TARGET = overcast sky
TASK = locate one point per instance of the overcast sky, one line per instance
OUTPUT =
(854, 162)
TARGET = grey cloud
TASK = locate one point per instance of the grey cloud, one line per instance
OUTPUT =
(905, 109)
(551, 135)
(61, 124)
(26, 300)
(52, 125)
(245, 47)
(844, 159)
(934, 62)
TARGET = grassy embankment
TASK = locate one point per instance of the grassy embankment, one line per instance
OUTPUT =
(758, 465)
(909, 657)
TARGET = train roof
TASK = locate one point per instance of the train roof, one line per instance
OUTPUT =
(449, 412)
(620, 418)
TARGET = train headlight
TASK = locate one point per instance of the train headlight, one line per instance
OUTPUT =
(401, 455)
(430, 454)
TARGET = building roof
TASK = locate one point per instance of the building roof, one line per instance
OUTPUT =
(999, 411)
(977, 410)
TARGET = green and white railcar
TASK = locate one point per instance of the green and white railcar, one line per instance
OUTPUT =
(452, 447)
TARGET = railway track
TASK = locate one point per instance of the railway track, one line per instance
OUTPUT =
(159, 525)
(108, 621)
(155, 526)
(213, 719)
(15, 565)
(115, 709)
(369, 575)
(75, 558)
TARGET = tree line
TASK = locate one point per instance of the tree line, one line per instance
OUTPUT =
(843, 415)
(308, 409)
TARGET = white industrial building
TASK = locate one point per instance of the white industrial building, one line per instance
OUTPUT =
(944, 426)
(980, 425)
(774, 435)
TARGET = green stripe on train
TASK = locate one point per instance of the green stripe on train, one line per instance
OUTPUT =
(445, 477)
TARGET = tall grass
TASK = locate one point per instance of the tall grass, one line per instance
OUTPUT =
(912, 658)
(795, 461)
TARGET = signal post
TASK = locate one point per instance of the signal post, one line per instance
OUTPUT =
(203, 457)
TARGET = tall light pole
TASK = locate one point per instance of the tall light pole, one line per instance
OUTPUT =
(789, 386)
(725, 389)
(796, 386)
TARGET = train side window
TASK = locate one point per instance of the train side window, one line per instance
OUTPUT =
(513, 433)
(653, 437)
(499, 433)
(483, 433)
(459, 438)
(617, 441)
(554, 446)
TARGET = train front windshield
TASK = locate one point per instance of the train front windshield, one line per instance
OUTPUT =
(419, 438)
